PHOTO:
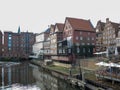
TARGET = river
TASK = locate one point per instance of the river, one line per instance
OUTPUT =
(25, 76)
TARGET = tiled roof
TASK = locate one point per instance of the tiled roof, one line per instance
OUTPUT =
(100, 25)
(60, 26)
(80, 24)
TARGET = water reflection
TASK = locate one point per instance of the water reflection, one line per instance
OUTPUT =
(46, 81)
(16, 76)
(25, 76)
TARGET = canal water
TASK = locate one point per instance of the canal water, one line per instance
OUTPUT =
(25, 76)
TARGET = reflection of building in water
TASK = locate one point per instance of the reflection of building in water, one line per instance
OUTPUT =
(46, 81)
(15, 73)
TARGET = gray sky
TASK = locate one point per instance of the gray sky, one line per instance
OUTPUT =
(36, 15)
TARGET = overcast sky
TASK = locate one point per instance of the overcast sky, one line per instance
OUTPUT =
(36, 15)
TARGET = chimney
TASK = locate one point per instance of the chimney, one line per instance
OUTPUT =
(107, 20)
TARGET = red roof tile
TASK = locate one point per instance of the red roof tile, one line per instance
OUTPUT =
(60, 26)
(80, 24)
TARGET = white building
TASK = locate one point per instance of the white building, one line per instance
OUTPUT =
(38, 46)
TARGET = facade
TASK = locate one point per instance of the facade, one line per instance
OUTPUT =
(57, 36)
(117, 49)
(99, 36)
(38, 46)
(18, 45)
(110, 34)
(41, 47)
(0, 43)
(52, 42)
(46, 44)
(79, 39)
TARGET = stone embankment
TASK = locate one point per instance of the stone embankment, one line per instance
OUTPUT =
(72, 80)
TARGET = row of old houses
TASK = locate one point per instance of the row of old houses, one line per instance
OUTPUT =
(64, 42)
(16, 44)
(77, 38)
(108, 37)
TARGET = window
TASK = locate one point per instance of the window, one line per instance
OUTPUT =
(9, 44)
(83, 43)
(93, 44)
(63, 51)
(80, 32)
(69, 50)
(78, 50)
(9, 37)
(9, 49)
(88, 33)
(89, 50)
(83, 50)
(92, 38)
(81, 38)
(88, 43)
(88, 38)
(77, 38)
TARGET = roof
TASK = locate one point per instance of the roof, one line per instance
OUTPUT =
(116, 26)
(60, 26)
(47, 30)
(80, 24)
(102, 24)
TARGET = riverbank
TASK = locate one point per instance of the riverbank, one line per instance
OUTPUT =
(64, 73)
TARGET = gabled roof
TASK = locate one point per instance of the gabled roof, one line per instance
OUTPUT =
(80, 24)
(102, 24)
(60, 26)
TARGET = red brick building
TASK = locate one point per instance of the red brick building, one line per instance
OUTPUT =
(18, 45)
(79, 38)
